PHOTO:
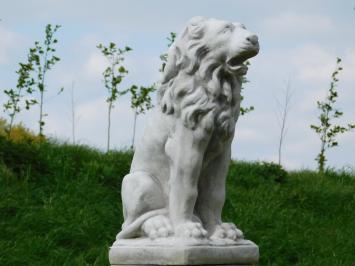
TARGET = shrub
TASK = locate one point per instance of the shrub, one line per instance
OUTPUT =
(19, 133)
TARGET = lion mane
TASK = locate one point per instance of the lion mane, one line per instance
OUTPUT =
(176, 186)
(194, 84)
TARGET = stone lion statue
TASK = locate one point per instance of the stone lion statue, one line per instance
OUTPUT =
(176, 186)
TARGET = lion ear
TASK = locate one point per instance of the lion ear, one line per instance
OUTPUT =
(172, 65)
(196, 27)
(196, 20)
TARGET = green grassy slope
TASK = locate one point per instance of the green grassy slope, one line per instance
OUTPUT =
(60, 205)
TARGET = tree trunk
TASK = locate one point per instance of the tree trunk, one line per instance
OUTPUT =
(73, 113)
(109, 126)
(10, 126)
(321, 160)
(134, 128)
(283, 117)
(41, 116)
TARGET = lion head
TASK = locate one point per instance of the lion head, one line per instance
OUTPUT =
(203, 72)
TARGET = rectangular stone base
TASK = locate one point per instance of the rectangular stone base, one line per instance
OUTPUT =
(245, 253)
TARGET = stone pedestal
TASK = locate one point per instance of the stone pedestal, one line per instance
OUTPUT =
(243, 252)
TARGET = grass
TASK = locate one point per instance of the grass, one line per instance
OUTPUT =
(307, 219)
(60, 205)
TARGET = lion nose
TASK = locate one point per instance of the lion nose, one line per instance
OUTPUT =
(253, 39)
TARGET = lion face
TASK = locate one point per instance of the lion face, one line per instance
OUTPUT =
(216, 42)
(203, 70)
(229, 44)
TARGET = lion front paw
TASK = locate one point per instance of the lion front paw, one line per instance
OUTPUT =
(190, 230)
(227, 230)
(157, 226)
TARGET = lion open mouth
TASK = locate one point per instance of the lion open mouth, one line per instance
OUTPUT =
(236, 62)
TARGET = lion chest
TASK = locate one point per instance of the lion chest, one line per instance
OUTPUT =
(217, 145)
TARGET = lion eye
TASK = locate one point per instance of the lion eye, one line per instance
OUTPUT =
(228, 28)
(239, 25)
(242, 26)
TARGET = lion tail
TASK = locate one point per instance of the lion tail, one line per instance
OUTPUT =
(130, 231)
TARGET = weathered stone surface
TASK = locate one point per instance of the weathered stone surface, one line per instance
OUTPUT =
(174, 194)
(243, 253)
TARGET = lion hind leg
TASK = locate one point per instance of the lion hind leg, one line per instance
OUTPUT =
(141, 198)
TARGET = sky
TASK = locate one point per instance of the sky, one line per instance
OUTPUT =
(299, 40)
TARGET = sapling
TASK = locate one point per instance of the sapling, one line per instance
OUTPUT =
(244, 80)
(73, 112)
(283, 108)
(140, 97)
(113, 76)
(11, 107)
(164, 57)
(42, 59)
(327, 130)
(25, 84)
(31, 78)
(140, 102)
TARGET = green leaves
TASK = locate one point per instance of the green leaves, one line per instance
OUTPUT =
(140, 102)
(113, 76)
(31, 76)
(327, 130)
(164, 57)
(30, 102)
(122, 70)
(115, 72)
(140, 98)
(245, 110)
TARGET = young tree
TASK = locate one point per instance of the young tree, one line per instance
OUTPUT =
(73, 112)
(25, 82)
(245, 110)
(140, 102)
(42, 59)
(113, 76)
(326, 129)
(31, 78)
(11, 107)
(164, 57)
(140, 97)
(283, 108)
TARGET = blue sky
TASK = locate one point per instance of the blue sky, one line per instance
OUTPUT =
(299, 41)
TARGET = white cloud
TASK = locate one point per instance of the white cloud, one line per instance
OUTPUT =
(248, 135)
(91, 123)
(87, 42)
(293, 24)
(143, 69)
(348, 74)
(314, 63)
(310, 98)
(92, 110)
(9, 41)
(94, 66)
